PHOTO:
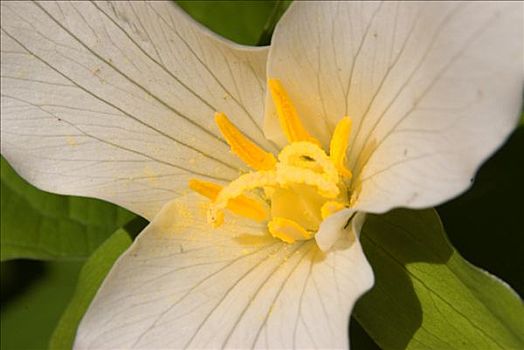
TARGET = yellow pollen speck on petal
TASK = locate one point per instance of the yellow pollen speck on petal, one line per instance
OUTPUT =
(150, 175)
(339, 144)
(183, 211)
(243, 147)
(215, 218)
(287, 230)
(287, 114)
(71, 141)
(331, 207)
(354, 196)
(240, 205)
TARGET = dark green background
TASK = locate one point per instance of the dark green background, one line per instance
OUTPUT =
(486, 224)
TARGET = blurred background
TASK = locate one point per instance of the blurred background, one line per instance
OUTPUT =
(486, 224)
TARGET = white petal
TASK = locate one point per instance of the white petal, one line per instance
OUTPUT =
(116, 100)
(333, 227)
(433, 89)
(184, 285)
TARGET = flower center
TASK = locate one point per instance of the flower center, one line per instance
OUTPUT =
(293, 193)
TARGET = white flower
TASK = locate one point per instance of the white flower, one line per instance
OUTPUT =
(116, 101)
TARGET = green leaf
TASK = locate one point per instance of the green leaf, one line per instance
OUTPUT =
(279, 8)
(358, 338)
(41, 225)
(91, 277)
(34, 295)
(240, 21)
(426, 295)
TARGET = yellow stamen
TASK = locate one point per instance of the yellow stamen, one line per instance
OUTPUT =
(234, 190)
(339, 144)
(288, 230)
(243, 147)
(287, 114)
(331, 207)
(301, 189)
(240, 205)
(206, 189)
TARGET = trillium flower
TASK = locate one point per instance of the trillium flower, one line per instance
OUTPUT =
(254, 165)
